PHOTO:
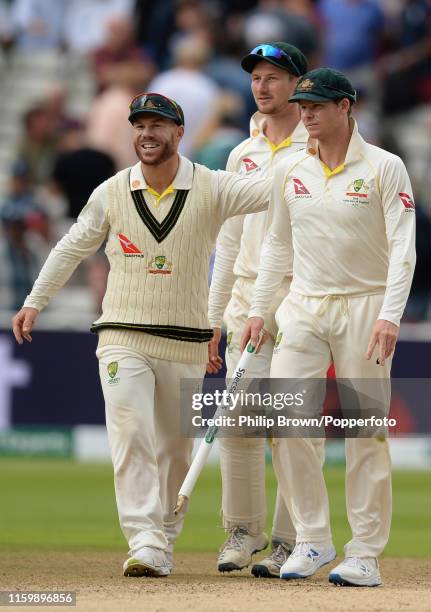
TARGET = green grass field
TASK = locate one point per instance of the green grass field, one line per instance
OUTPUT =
(53, 504)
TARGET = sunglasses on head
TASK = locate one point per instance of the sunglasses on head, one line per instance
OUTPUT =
(276, 53)
(156, 101)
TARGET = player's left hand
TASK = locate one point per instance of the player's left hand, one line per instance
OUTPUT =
(215, 362)
(385, 335)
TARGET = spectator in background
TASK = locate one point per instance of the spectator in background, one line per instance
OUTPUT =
(353, 31)
(21, 215)
(121, 54)
(154, 26)
(225, 69)
(353, 34)
(78, 169)
(54, 101)
(277, 21)
(222, 134)
(37, 25)
(6, 29)
(85, 22)
(406, 71)
(191, 17)
(195, 92)
(37, 146)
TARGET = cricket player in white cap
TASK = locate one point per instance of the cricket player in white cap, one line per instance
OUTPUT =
(276, 133)
(345, 209)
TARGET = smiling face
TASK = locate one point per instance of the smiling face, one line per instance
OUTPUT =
(322, 119)
(271, 87)
(155, 139)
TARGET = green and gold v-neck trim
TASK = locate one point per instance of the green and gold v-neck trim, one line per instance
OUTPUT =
(159, 230)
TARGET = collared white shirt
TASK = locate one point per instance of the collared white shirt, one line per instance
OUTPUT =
(241, 238)
(351, 230)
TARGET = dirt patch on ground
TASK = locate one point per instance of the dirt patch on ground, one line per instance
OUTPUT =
(196, 586)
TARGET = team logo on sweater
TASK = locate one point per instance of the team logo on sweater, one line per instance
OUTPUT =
(129, 249)
(249, 164)
(407, 201)
(357, 193)
(300, 188)
(159, 265)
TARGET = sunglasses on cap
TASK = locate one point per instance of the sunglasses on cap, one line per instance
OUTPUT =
(158, 104)
(275, 53)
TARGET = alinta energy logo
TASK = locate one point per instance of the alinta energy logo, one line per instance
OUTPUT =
(300, 189)
(249, 164)
(129, 249)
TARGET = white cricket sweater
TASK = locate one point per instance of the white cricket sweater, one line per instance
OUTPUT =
(156, 299)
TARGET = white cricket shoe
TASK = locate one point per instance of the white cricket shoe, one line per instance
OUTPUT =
(148, 561)
(236, 552)
(355, 571)
(306, 558)
(270, 566)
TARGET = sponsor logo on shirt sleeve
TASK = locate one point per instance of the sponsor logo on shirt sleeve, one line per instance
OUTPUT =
(249, 164)
(407, 201)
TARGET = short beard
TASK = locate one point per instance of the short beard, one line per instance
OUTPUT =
(167, 151)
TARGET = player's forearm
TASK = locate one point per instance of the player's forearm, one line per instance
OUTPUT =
(399, 280)
(223, 278)
(82, 241)
(272, 271)
(222, 282)
(239, 195)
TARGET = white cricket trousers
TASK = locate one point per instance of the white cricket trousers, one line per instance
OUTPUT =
(242, 460)
(149, 455)
(317, 331)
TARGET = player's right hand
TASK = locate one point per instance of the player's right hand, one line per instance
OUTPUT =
(255, 333)
(215, 362)
(22, 324)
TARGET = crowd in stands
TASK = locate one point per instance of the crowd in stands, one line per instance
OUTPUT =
(190, 50)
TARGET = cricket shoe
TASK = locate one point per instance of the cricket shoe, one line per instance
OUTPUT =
(355, 571)
(305, 559)
(236, 552)
(148, 561)
(270, 566)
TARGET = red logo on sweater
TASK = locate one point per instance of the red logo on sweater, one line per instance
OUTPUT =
(406, 200)
(249, 164)
(300, 188)
(129, 249)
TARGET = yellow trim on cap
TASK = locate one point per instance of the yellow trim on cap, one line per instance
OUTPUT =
(284, 144)
(159, 196)
(329, 172)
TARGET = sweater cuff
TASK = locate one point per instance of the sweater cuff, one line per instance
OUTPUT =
(35, 302)
(255, 312)
(386, 316)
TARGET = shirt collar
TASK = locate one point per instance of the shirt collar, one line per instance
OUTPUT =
(354, 149)
(257, 123)
(183, 179)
